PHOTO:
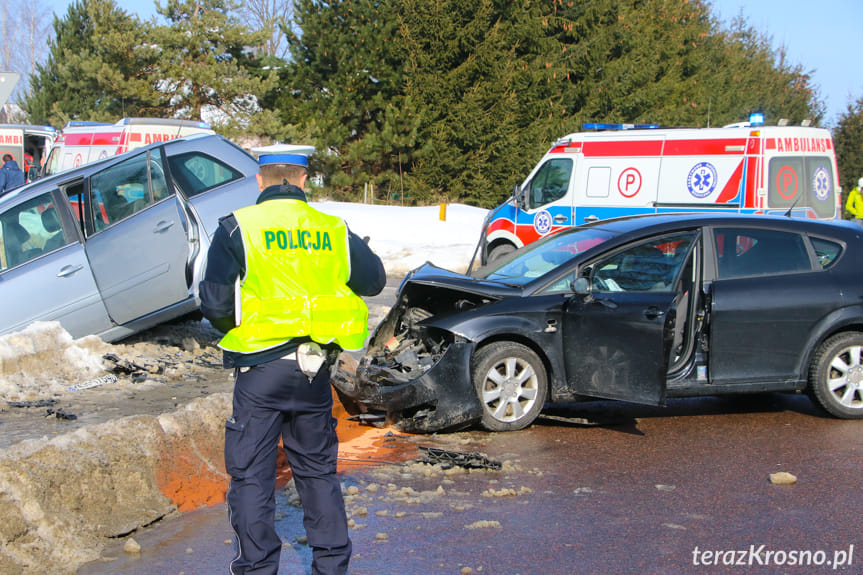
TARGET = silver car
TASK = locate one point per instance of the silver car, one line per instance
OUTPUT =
(118, 246)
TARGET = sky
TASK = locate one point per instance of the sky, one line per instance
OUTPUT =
(824, 37)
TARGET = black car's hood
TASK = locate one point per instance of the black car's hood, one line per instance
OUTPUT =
(431, 275)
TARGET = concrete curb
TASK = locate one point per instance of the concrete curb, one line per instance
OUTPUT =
(63, 499)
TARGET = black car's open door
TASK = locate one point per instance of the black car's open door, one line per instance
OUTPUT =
(617, 338)
(616, 345)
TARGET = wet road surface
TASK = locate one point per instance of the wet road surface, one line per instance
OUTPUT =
(604, 488)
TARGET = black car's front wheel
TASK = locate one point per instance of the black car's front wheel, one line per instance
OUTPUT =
(836, 375)
(510, 381)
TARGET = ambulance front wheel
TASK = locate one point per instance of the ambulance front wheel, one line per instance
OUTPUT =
(499, 251)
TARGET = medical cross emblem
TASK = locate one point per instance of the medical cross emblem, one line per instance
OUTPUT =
(701, 180)
(821, 183)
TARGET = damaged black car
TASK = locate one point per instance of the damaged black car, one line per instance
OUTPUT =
(637, 309)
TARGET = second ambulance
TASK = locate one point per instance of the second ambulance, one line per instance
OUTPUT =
(83, 142)
(619, 170)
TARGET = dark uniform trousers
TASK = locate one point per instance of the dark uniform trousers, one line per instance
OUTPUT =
(273, 399)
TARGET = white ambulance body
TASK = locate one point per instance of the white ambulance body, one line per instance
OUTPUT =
(28, 144)
(83, 142)
(588, 176)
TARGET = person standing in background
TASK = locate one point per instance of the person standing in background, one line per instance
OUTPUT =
(11, 176)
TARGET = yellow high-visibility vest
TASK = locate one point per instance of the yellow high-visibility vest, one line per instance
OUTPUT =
(297, 268)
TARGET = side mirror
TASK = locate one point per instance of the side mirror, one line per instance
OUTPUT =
(520, 197)
(581, 286)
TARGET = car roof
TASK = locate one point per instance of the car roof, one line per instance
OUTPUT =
(657, 222)
(91, 167)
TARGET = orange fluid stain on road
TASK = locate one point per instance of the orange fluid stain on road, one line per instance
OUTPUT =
(192, 480)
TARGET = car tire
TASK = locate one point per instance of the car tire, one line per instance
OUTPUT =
(499, 251)
(511, 384)
(836, 375)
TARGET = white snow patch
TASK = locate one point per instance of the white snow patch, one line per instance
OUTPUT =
(42, 359)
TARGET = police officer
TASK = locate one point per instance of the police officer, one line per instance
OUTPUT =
(854, 203)
(296, 275)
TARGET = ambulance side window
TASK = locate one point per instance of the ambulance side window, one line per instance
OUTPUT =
(550, 183)
(598, 182)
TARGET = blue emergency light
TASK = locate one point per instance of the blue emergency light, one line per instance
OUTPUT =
(601, 126)
(756, 119)
(84, 124)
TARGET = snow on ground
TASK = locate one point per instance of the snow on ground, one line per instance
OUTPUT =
(43, 360)
(406, 237)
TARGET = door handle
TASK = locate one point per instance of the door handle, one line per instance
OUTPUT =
(162, 226)
(653, 312)
(590, 219)
(559, 219)
(66, 271)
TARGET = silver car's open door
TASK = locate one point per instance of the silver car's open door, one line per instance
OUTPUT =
(139, 245)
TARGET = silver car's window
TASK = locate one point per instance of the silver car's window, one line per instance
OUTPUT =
(546, 255)
(120, 191)
(743, 252)
(648, 266)
(196, 173)
(29, 230)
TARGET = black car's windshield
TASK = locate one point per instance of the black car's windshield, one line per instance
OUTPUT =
(546, 255)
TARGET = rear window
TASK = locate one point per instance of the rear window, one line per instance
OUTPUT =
(745, 252)
(826, 251)
(195, 173)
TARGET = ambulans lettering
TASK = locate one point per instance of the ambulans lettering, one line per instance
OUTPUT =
(11, 140)
(791, 144)
(149, 138)
(284, 240)
(701, 180)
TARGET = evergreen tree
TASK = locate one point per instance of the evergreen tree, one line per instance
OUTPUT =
(473, 69)
(347, 92)
(470, 93)
(848, 140)
(201, 63)
(94, 68)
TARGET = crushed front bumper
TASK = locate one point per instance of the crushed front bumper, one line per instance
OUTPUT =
(440, 399)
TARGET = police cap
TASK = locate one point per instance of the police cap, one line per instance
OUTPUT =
(283, 154)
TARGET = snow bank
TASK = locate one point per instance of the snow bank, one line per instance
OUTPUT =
(43, 360)
(407, 237)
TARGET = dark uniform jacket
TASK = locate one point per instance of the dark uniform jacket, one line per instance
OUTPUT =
(226, 262)
(11, 177)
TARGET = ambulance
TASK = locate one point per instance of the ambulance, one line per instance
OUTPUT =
(611, 170)
(28, 144)
(80, 143)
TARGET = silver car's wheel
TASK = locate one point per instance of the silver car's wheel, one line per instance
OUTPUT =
(836, 375)
(510, 381)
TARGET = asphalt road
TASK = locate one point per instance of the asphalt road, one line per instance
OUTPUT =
(599, 488)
